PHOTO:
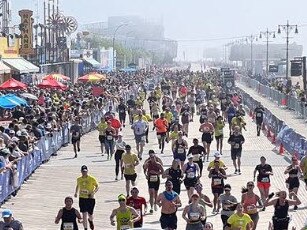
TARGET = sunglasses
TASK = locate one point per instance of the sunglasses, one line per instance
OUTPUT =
(250, 185)
(120, 200)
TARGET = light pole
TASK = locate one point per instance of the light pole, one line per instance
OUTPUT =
(113, 43)
(267, 35)
(287, 28)
(251, 38)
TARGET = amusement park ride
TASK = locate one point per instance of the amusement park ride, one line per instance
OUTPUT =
(49, 34)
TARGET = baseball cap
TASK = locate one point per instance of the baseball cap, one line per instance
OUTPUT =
(127, 147)
(190, 156)
(6, 213)
(217, 154)
(121, 197)
(84, 168)
(195, 194)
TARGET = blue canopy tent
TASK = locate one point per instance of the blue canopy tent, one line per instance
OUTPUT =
(6, 103)
(10, 101)
(105, 69)
(17, 99)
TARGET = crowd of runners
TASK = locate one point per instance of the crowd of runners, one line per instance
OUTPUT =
(178, 98)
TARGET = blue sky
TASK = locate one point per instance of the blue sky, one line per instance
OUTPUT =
(194, 19)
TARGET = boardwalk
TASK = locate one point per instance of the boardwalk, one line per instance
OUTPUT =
(42, 195)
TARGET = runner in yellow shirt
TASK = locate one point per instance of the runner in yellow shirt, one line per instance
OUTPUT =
(87, 186)
(239, 220)
(102, 126)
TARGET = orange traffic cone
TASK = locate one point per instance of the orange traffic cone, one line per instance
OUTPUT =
(281, 149)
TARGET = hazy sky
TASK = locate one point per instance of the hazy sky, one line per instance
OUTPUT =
(195, 19)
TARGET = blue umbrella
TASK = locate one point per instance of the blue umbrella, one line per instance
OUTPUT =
(19, 100)
(6, 103)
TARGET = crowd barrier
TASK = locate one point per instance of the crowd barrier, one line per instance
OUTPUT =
(48, 145)
(281, 99)
(277, 130)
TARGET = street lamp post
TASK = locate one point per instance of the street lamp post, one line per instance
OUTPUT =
(113, 43)
(267, 35)
(287, 28)
(251, 39)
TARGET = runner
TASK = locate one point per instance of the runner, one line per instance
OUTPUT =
(174, 174)
(219, 133)
(125, 215)
(191, 171)
(139, 128)
(153, 168)
(137, 202)
(122, 110)
(259, 111)
(194, 213)
(303, 166)
(207, 129)
(128, 162)
(293, 182)
(68, 215)
(281, 205)
(110, 133)
(169, 202)
(197, 151)
(239, 220)
(263, 179)
(185, 113)
(102, 133)
(87, 186)
(217, 175)
(179, 148)
(120, 149)
(249, 201)
(236, 141)
(231, 113)
(217, 156)
(161, 125)
(131, 106)
(76, 130)
(204, 201)
(227, 200)
(238, 121)
(9, 222)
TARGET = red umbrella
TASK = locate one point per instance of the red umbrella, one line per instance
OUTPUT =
(57, 77)
(13, 84)
(50, 83)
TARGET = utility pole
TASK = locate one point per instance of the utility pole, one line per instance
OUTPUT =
(287, 28)
(267, 35)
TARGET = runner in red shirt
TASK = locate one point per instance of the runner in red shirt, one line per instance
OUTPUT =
(137, 203)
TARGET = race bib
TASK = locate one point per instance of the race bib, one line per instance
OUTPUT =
(180, 150)
(153, 178)
(128, 165)
(259, 115)
(196, 157)
(217, 181)
(236, 146)
(83, 192)
(224, 100)
(68, 226)
(143, 138)
(194, 216)
(122, 111)
(139, 211)
(158, 136)
(265, 179)
(109, 138)
(211, 120)
(191, 175)
(124, 227)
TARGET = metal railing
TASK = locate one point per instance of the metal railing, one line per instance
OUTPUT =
(281, 99)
